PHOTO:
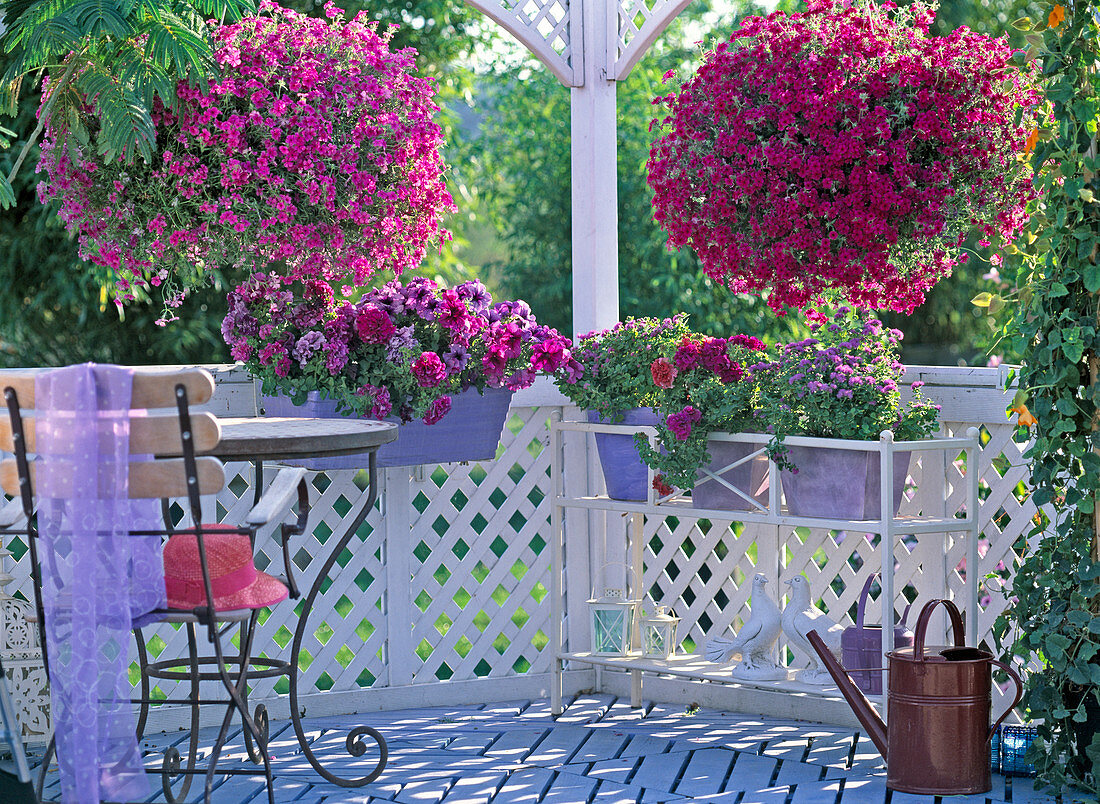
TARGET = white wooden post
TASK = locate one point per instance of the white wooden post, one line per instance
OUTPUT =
(595, 184)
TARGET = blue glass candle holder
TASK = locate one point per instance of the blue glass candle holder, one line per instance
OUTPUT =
(1014, 742)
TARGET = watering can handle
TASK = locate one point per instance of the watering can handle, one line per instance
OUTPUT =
(1019, 694)
(922, 626)
(861, 606)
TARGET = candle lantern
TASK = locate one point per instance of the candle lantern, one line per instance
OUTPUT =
(659, 634)
(612, 615)
(1015, 740)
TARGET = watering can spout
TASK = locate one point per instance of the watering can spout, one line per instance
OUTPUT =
(865, 712)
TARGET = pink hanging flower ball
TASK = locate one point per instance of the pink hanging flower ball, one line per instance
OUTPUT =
(843, 149)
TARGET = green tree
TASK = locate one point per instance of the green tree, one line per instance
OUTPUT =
(120, 54)
(522, 156)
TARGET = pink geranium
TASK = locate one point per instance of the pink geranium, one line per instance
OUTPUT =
(663, 372)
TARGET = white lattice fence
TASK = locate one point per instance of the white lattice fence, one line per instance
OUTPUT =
(447, 578)
(703, 568)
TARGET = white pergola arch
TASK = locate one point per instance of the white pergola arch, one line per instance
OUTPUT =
(589, 45)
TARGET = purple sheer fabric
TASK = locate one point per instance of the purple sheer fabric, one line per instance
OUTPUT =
(95, 576)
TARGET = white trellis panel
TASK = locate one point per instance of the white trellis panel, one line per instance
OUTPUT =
(545, 27)
(638, 24)
(450, 584)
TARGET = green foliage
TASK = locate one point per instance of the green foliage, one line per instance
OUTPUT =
(1057, 588)
(120, 53)
(615, 365)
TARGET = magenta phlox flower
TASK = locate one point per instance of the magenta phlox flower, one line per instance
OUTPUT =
(681, 422)
(688, 354)
(374, 325)
(506, 337)
(241, 351)
(452, 313)
(271, 353)
(429, 371)
(550, 354)
(437, 409)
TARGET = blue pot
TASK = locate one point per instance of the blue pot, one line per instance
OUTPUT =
(469, 432)
(624, 473)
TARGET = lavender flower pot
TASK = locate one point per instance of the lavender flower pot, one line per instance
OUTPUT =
(839, 483)
(625, 474)
(751, 477)
(469, 432)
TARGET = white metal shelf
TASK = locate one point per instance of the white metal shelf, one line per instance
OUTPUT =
(774, 513)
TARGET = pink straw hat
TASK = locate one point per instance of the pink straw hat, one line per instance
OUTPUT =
(234, 579)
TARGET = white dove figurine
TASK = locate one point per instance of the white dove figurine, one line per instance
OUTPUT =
(755, 642)
(799, 618)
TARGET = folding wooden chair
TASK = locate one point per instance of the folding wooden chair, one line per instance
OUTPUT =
(165, 425)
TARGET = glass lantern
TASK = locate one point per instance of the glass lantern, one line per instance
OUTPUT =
(659, 634)
(612, 616)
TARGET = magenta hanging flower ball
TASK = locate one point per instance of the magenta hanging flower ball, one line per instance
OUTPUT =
(314, 147)
(843, 149)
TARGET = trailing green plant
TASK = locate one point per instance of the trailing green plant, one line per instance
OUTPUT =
(1056, 325)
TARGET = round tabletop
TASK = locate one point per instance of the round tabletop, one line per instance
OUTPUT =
(285, 438)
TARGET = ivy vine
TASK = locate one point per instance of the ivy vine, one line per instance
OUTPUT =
(1056, 325)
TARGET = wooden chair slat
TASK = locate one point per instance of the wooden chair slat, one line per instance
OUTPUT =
(148, 479)
(153, 388)
(152, 435)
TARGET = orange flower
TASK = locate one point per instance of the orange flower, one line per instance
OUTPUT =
(1032, 138)
(1025, 417)
(1057, 16)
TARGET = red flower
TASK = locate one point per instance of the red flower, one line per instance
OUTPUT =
(661, 487)
(663, 372)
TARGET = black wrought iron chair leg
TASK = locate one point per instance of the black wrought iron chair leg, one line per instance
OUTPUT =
(143, 667)
(40, 785)
(247, 634)
(171, 766)
(237, 703)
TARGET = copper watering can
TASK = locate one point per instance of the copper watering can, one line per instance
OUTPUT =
(938, 704)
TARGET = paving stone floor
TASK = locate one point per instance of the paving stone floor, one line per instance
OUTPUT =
(600, 750)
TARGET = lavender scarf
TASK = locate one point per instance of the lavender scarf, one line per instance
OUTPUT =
(95, 577)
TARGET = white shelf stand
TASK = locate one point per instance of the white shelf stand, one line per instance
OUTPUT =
(888, 525)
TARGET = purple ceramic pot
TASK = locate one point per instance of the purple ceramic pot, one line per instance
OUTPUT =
(839, 483)
(625, 474)
(751, 477)
(469, 432)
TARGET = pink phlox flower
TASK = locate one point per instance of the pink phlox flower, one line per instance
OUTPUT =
(429, 371)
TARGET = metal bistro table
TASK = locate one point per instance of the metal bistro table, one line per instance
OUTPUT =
(285, 439)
